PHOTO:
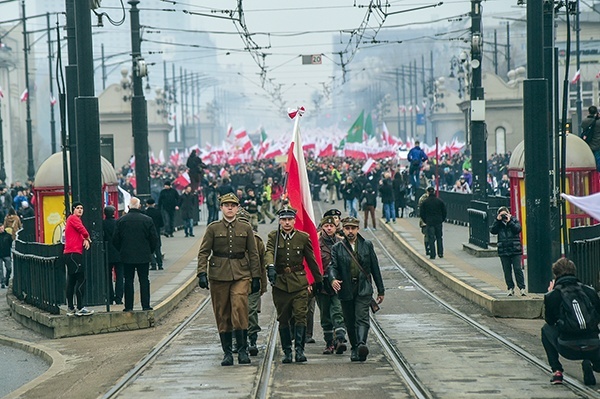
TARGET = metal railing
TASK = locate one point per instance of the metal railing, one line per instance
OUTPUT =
(585, 253)
(479, 230)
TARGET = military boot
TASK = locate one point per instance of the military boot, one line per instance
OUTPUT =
(253, 349)
(361, 334)
(299, 344)
(340, 341)
(241, 337)
(285, 336)
(329, 346)
(226, 339)
(354, 355)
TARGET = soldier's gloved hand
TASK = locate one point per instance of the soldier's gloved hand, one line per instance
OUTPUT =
(272, 274)
(318, 287)
(203, 280)
(255, 284)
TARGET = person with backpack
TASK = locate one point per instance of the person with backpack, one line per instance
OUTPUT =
(590, 133)
(416, 156)
(572, 313)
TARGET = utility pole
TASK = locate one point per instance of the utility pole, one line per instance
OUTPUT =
(405, 136)
(507, 47)
(30, 165)
(478, 126)
(139, 112)
(537, 187)
(51, 84)
(103, 67)
(410, 95)
(578, 60)
(398, 100)
(175, 121)
(2, 170)
(496, 51)
(183, 131)
(72, 92)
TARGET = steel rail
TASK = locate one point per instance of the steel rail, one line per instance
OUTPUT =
(262, 388)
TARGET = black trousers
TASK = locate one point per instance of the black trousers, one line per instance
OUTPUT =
(356, 314)
(550, 342)
(434, 237)
(75, 279)
(142, 272)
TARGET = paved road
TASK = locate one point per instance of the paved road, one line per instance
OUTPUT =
(18, 368)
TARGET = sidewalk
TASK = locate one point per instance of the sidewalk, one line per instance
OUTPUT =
(479, 279)
(167, 288)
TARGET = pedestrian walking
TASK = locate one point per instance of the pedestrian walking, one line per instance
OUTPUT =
(228, 259)
(115, 266)
(433, 213)
(135, 238)
(168, 203)
(212, 202)
(287, 249)
(353, 268)
(77, 239)
(330, 309)
(368, 201)
(572, 314)
(5, 257)
(508, 229)
(188, 206)
(156, 216)
(386, 191)
(351, 191)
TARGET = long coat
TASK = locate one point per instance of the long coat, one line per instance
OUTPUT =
(339, 269)
(188, 204)
(228, 252)
(135, 237)
(291, 253)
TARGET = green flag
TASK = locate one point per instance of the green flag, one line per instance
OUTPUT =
(263, 135)
(369, 127)
(355, 133)
(342, 144)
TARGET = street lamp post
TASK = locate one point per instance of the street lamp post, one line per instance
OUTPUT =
(2, 171)
(30, 165)
(139, 112)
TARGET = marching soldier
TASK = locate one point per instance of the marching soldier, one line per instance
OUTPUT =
(287, 248)
(336, 214)
(228, 258)
(254, 298)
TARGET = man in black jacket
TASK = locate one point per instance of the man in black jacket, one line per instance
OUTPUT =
(168, 203)
(188, 204)
(433, 214)
(195, 166)
(353, 266)
(594, 141)
(156, 216)
(5, 260)
(555, 338)
(114, 259)
(136, 239)
(510, 249)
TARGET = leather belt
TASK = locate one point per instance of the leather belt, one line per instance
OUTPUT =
(232, 255)
(291, 269)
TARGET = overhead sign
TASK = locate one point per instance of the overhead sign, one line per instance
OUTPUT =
(313, 59)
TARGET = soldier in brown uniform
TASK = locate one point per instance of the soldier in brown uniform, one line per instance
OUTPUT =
(229, 259)
(287, 248)
(254, 298)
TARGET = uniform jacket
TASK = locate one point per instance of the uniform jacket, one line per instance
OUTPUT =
(292, 253)
(553, 302)
(326, 243)
(433, 211)
(135, 237)
(260, 246)
(221, 244)
(339, 269)
(509, 242)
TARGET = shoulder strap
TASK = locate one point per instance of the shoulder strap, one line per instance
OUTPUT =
(356, 260)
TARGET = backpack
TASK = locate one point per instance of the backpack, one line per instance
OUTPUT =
(577, 312)
(588, 133)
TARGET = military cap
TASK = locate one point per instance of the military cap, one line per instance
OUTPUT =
(332, 212)
(350, 221)
(229, 197)
(327, 219)
(243, 215)
(286, 212)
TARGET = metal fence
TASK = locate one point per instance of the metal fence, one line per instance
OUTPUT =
(585, 253)
(479, 228)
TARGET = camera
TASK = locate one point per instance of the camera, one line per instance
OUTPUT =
(505, 217)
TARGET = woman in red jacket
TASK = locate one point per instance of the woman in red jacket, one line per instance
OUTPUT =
(77, 239)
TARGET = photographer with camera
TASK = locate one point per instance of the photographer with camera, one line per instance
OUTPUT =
(508, 228)
(590, 129)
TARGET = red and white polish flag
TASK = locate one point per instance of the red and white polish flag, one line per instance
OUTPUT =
(24, 95)
(368, 166)
(1, 92)
(298, 191)
(576, 77)
(52, 100)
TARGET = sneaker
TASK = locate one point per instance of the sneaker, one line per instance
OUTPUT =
(511, 292)
(84, 312)
(71, 312)
(588, 373)
(2, 285)
(523, 293)
(557, 378)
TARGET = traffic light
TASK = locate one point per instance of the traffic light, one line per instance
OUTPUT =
(568, 128)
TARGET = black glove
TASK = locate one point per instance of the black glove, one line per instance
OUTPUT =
(203, 280)
(318, 287)
(272, 274)
(255, 284)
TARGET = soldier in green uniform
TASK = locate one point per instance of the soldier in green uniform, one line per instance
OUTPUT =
(287, 248)
(254, 298)
(336, 214)
(228, 258)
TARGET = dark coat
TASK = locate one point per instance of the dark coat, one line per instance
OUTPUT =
(339, 269)
(509, 242)
(351, 191)
(156, 217)
(386, 191)
(399, 188)
(6, 241)
(168, 199)
(135, 237)
(188, 204)
(368, 197)
(595, 142)
(553, 302)
(108, 228)
(433, 211)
